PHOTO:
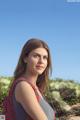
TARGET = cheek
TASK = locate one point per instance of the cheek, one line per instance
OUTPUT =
(45, 63)
(32, 61)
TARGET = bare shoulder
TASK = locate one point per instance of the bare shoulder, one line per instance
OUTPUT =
(23, 89)
(25, 95)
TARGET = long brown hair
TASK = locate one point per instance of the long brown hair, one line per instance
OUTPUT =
(30, 45)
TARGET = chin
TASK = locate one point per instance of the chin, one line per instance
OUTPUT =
(40, 72)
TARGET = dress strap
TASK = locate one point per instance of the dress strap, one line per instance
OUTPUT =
(24, 79)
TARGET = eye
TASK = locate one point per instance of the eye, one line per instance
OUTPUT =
(35, 55)
(45, 57)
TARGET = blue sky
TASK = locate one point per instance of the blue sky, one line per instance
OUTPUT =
(55, 21)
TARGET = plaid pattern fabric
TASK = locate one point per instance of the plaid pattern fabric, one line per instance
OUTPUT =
(8, 110)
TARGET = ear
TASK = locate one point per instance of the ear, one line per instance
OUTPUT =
(25, 59)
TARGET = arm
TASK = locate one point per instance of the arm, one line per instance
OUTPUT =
(25, 95)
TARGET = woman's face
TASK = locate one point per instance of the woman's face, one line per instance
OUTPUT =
(37, 61)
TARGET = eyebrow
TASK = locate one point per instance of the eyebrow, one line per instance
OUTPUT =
(40, 54)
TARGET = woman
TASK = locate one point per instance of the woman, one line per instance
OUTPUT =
(31, 76)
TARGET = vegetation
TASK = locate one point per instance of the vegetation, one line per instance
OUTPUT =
(62, 95)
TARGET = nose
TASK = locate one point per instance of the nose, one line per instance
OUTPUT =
(41, 60)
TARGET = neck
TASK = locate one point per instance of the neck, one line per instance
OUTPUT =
(32, 78)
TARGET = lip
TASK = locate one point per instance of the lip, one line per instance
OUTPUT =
(38, 66)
